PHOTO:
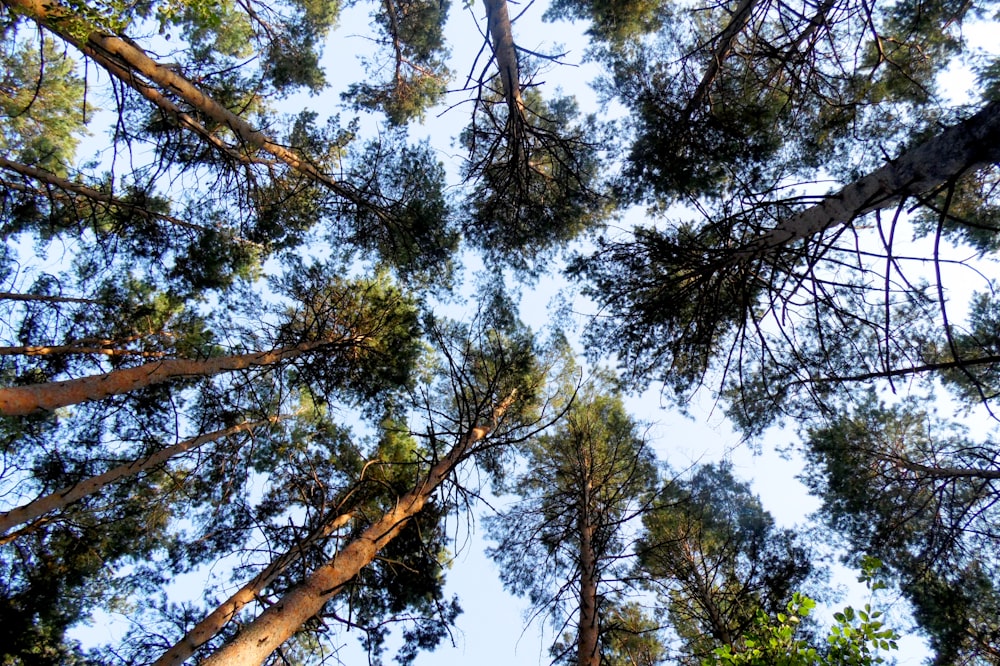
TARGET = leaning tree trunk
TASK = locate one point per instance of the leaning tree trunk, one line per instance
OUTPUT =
(257, 640)
(63, 498)
(23, 400)
(967, 146)
(125, 61)
(214, 622)
(95, 197)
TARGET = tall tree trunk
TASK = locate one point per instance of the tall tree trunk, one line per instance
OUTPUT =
(588, 651)
(282, 619)
(63, 498)
(22, 400)
(213, 623)
(505, 54)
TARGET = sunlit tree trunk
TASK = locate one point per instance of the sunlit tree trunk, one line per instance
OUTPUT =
(214, 622)
(505, 53)
(282, 619)
(112, 52)
(967, 146)
(22, 400)
(63, 498)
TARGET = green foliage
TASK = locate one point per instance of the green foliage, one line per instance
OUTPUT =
(855, 639)
(408, 223)
(413, 32)
(592, 473)
(716, 560)
(972, 217)
(916, 493)
(43, 111)
(60, 571)
(672, 298)
(534, 180)
(631, 637)
(193, 235)
(611, 20)
(372, 326)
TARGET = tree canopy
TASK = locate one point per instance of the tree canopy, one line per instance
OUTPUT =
(266, 271)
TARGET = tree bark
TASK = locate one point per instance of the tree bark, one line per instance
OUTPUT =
(588, 652)
(282, 619)
(947, 472)
(23, 400)
(967, 146)
(505, 53)
(63, 498)
(213, 623)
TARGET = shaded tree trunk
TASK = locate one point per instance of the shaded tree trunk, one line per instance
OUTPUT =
(726, 41)
(95, 196)
(42, 298)
(588, 631)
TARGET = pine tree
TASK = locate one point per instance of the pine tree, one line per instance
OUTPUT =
(563, 541)
(716, 560)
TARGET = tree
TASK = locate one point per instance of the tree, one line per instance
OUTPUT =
(203, 487)
(794, 301)
(492, 386)
(732, 111)
(856, 638)
(716, 561)
(563, 541)
(918, 493)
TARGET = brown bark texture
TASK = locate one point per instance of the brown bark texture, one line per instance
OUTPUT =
(213, 623)
(63, 498)
(23, 400)
(124, 60)
(281, 620)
